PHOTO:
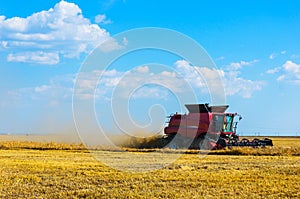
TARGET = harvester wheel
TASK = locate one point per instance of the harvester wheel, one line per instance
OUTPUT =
(255, 142)
(175, 142)
(173, 146)
(221, 143)
(203, 144)
(195, 143)
(245, 142)
(268, 142)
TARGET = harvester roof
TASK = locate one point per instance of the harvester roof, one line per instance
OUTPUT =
(205, 108)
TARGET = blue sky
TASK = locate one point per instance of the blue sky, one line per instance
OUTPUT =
(254, 45)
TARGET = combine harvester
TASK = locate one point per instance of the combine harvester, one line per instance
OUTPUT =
(207, 127)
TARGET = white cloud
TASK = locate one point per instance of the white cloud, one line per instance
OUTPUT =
(239, 65)
(41, 88)
(294, 56)
(272, 56)
(140, 82)
(34, 57)
(141, 77)
(62, 30)
(96, 84)
(233, 84)
(176, 81)
(58, 90)
(100, 85)
(220, 58)
(125, 41)
(273, 70)
(142, 69)
(189, 73)
(152, 91)
(291, 67)
(102, 19)
(111, 44)
(291, 72)
(281, 78)
(168, 74)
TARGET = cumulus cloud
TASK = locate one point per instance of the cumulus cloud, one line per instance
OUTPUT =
(46, 35)
(274, 55)
(220, 58)
(196, 76)
(294, 56)
(96, 84)
(142, 82)
(239, 65)
(153, 91)
(273, 70)
(41, 88)
(281, 78)
(142, 69)
(102, 19)
(34, 57)
(233, 83)
(58, 90)
(292, 67)
(111, 44)
(291, 72)
(183, 75)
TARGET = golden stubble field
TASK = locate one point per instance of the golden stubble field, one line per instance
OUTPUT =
(56, 170)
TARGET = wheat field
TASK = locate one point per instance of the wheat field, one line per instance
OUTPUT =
(56, 170)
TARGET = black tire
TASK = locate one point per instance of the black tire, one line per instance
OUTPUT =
(244, 142)
(203, 144)
(221, 143)
(173, 145)
(268, 142)
(195, 144)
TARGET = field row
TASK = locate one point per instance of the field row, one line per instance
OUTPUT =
(56, 170)
(27, 173)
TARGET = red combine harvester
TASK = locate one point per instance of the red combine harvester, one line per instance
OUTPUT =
(207, 127)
